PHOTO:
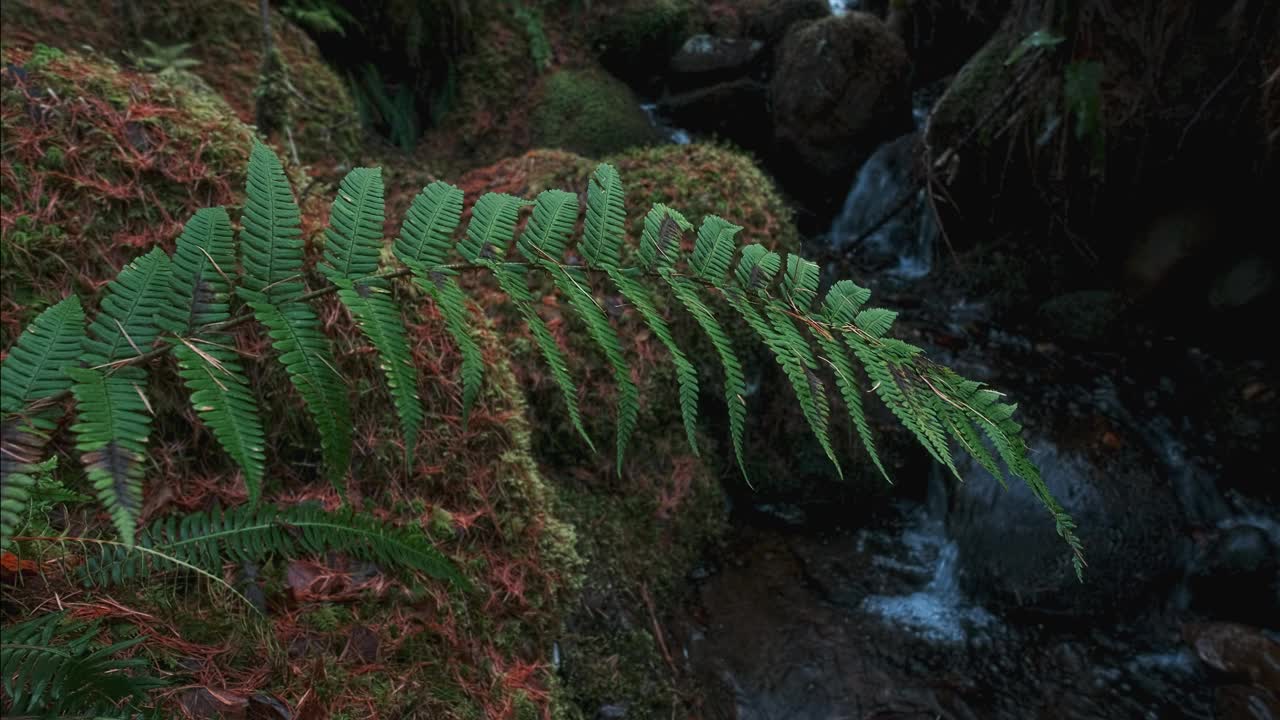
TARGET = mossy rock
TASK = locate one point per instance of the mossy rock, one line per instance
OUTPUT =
(635, 39)
(101, 163)
(225, 37)
(590, 113)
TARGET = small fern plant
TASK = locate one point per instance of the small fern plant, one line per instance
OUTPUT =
(52, 665)
(183, 305)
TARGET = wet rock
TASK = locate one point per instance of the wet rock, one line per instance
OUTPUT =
(1127, 516)
(1246, 702)
(704, 54)
(840, 88)
(736, 110)
(1240, 651)
(1242, 561)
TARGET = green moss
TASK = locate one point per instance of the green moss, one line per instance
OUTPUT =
(225, 39)
(589, 113)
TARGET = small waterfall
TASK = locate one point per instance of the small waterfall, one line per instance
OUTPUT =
(938, 612)
(840, 7)
(892, 225)
(903, 244)
(676, 135)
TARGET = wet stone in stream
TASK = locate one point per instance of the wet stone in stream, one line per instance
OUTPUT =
(871, 624)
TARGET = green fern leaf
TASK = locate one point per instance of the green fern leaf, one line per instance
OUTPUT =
(200, 286)
(271, 250)
(604, 229)
(686, 374)
(379, 318)
(221, 394)
(353, 239)
(50, 666)
(757, 268)
(271, 239)
(875, 321)
(735, 386)
(33, 368)
(800, 283)
(492, 226)
(126, 324)
(660, 239)
(843, 301)
(542, 243)
(423, 245)
(351, 257)
(114, 417)
(847, 384)
(199, 295)
(547, 235)
(111, 436)
(787, 344)
(33, 371)
(427, 236)
(305, 353)
(714, 249)
(206, 541)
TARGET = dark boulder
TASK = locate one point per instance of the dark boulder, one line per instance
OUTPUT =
(839, 89)
(735, 110)
(1115, 490)
(705, 55)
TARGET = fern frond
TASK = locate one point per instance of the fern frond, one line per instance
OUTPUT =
(735, 386)
(271, 238)
(353, 239)
(427, 235)
(714, 250)
(34, 370)
(839, 307)
(271, 255)
(50, 665)
(203, 263)
(221, 394)
(773, 326)
(379, 319)
(492, 226)
(424, 243)
(603, 231)
(114, 418)
(686, 374)
(351, 257)
(111, 436)
(660, 239)
(126, 324)
(305, 353)
(206, 541)
(199, 295)
(542, 243)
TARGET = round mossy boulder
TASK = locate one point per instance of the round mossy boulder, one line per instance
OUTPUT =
(101, 164)
(218, 40)
(590, 113)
